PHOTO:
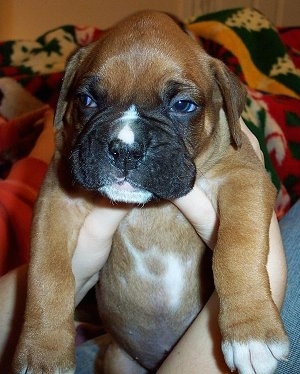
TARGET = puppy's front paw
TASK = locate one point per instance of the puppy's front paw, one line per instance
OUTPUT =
(27, 370)
(39, 367)
(254, 339)
(254, 357)
(51, 353)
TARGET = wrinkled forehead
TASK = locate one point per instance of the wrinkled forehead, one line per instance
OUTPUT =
(140, 60)
(138, 70)
(142, 70)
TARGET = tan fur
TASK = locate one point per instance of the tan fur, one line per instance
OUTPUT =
(227, 169)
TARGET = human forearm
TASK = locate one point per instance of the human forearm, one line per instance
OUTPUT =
(200, 347)
(94, 243)
(276, 266)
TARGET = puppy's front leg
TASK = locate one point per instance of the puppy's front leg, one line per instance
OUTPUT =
(47, 341)
(252, 331)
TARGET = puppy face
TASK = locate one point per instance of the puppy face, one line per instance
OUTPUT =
(139, 108)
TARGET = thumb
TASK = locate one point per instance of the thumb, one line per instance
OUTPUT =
(105, 218)
(198, 209)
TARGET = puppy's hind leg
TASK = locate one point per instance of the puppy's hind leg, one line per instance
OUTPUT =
(117, 361)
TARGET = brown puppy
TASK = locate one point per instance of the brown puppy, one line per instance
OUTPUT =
(143, 115)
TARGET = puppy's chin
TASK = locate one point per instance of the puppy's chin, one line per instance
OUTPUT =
(126, 193)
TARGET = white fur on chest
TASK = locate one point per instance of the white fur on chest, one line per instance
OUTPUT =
(170, 279)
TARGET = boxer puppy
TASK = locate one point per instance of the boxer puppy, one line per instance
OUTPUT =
(143, 115)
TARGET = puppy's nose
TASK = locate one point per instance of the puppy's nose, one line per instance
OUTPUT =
(125, 156)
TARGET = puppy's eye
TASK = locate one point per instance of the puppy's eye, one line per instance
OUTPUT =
(184, 106)
(87, 101)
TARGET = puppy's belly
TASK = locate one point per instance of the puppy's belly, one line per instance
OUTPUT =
(150, 289)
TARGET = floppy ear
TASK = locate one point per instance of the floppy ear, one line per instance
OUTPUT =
(233, 96)
(72, 64)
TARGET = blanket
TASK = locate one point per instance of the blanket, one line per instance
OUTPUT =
(265, 58)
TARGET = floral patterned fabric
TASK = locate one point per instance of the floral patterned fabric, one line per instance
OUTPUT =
(39, 65)
(255, 42)
(266, 59)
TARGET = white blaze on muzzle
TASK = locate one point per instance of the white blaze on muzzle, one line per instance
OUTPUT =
(127, 134)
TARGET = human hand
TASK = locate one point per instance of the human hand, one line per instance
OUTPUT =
(197, 207)
(94, 244)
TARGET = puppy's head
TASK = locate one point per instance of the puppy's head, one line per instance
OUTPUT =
(140, 109)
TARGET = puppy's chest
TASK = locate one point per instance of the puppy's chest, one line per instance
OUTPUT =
(152, 286)
(164, 271)
(158, 257)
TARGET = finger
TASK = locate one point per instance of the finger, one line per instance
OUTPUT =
(253, 140)
(198, 209)
(105, 218)
(94, 244)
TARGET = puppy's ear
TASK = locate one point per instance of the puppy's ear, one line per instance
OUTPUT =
(71, 67)
(233, 97)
